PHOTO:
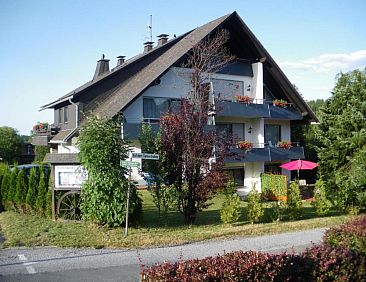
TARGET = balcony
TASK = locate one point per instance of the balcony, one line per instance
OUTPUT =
(42, 133)
(265, 153)
(257, 109)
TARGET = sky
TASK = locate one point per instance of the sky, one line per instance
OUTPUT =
(48, 48)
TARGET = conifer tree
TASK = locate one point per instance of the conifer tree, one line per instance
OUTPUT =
(48, 211)
(5, 183)
(41, 195)
(32, 190)
(21, 190)
(12, 186)
(294, 204)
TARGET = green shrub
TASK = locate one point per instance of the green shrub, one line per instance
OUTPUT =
(255, 208)
(41, 194)
(48, 212)
(4, 170)
(294, 203)
(31, 197)
(21, 190)
(104, 194)
(321, 204)
(12, 187)
(5, 185)
(230, 211)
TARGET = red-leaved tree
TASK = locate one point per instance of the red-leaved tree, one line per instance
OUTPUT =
(188, 142)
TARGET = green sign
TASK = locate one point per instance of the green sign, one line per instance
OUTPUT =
(130, 164)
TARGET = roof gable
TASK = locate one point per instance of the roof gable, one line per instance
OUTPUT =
(155, 63)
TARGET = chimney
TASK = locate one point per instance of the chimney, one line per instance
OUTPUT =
(148, 46)
(102, 67)
(163, 38)
(120, 60)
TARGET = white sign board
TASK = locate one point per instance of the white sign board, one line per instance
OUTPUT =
(145, 156)
(69, 176)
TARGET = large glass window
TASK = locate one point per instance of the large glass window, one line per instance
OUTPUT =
(238, 175)
(224, 129)
(272, 133)
(154, 108)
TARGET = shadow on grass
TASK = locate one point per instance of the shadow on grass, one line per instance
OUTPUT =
(211, 216)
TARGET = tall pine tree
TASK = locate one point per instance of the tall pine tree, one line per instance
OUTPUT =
(342, 137)
(32, 190)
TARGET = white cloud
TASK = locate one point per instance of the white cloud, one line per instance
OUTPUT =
(329, 62)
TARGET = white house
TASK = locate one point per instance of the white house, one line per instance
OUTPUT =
(145, 86)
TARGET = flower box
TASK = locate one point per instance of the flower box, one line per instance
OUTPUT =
(245, 145)
(243, 99)
(280, 103)
(285, 144)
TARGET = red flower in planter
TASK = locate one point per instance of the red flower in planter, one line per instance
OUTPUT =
(280, 103)
(243, 99)
(245, 145)
(285, 144)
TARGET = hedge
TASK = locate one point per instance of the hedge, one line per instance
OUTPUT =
(341, 257)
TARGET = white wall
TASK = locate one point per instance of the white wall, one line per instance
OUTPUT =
(257, 82)
(174, 84)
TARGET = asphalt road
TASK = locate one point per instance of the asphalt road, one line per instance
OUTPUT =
(58, 264)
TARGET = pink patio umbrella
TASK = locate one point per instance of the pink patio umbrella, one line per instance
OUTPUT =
(299, 165)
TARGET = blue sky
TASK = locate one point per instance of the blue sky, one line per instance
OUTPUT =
(48, 48)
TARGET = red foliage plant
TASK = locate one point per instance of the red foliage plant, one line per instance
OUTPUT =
(189, 146)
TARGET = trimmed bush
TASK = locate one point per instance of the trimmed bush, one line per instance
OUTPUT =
(12, 187)
(48, 212)
(351, 235)
(255, 208)
(274, 186)
(21, 190)
(319, 263)
(41, 194)
(32, 190)
(321, 204)
(230, 211)
(335, 264)
(294, 204)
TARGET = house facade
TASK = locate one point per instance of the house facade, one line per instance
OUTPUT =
(257, 104)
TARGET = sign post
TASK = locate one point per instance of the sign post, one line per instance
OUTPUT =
(130, 164)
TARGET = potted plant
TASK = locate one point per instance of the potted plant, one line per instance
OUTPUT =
(280, 103)
(245, 145)
(284, 144)
(243, 99)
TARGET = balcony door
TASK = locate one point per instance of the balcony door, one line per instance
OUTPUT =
(272, 133)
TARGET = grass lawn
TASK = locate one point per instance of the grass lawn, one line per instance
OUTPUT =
(26, 230)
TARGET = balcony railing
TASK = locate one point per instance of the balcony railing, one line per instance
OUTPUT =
(258, 108)
(264, 152)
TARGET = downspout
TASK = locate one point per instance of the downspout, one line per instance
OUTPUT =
(76, 122)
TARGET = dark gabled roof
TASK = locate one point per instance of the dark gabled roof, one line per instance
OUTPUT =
(133, 87)
(160, 59)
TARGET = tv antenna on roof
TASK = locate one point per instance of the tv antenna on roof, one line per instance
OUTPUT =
(149, 26)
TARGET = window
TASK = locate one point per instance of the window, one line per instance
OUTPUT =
(238, 175)
(227, 89)
(154, 108)
(224, 129)
(60, 115)
(65, 114)
(272, 133)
